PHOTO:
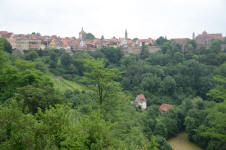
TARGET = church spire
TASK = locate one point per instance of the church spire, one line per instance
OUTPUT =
(193, 36)
(82, 34)
(126, 35)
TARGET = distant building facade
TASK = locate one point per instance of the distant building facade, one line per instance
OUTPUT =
(165, 107)
(206, 39)
(181, 41)
(28, 44)
(36, 41)
(140, 101)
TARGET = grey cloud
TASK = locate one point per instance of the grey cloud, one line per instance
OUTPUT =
(142, 18)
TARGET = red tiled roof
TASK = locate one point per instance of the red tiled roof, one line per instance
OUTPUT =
(75, 43)
(146, 40)
(213, 36)
(141, 97)
(165, 107)
(121, 39)
(139, 41)
(107, 40)
(114, 40)
(149, 40)
(89, 42)
(97, 41)
(216, 36)
(130, 42)
(4, 32)
(65, 43)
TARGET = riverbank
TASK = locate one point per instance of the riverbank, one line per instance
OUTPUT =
(181, 142)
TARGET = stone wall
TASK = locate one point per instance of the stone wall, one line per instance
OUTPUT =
(137, 50)
(131, 50)
(153, 49)
(223, 47)
(26, 44)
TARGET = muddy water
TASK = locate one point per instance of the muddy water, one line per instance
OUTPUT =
(181, 142)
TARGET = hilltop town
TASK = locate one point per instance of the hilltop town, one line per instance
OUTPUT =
(36, 41)
(83, 93)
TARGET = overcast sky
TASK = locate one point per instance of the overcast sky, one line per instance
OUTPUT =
(142, 18)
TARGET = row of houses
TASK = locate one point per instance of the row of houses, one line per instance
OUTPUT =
(36, 41)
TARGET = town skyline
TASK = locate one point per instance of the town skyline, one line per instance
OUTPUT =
(88, 42)
(76, 35)
(143, 19)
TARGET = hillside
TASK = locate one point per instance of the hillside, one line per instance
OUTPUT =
(63, 85)
(53, 100)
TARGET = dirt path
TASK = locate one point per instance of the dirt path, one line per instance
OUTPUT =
(181, 142)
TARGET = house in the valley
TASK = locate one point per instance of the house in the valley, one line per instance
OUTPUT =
(140, 101)
(165, 107)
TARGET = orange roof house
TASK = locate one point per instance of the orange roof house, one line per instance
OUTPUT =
(165, 107)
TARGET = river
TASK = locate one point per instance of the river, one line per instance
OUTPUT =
(181, 142)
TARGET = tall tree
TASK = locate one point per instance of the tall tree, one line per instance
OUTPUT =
(90, 36)
(113, 55)
(144, 52)
(103, 79)
(161, 40)
(6, 45)
(31, 55)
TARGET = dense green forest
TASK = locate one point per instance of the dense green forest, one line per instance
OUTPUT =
(50, 99)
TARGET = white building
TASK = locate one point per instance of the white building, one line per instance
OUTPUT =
(140, 101)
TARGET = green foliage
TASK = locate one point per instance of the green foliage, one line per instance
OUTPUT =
(65, 60)
(9, 79)
(101, 115)
(170, 123)
(169, 85)
(144, 52)
(58, 127)
(31, 55)
(37, 97)
(158, 59)
(161, 40)
(163, 145)
(3, 58)
(41, 66)
(219, 93)
(205, 124)
(5, 45)
(90, 36)
(17, 129)
(135, 39)
(103, 79)
(113, 55)
(216, 46)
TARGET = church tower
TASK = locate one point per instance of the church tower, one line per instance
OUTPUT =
(126, 35)
(193, 36)
(82, 37)
(82, 34)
